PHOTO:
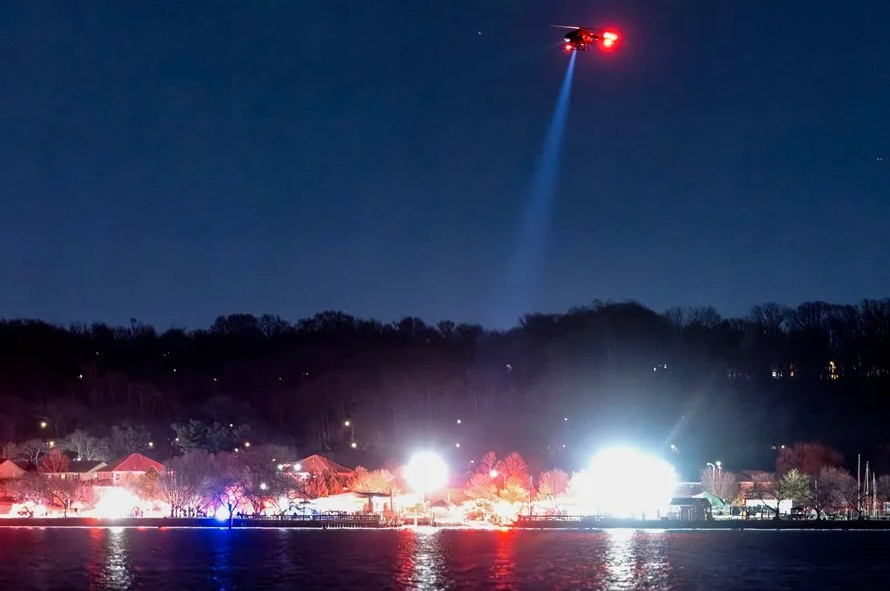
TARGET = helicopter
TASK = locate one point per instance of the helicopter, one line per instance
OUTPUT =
(581, 38)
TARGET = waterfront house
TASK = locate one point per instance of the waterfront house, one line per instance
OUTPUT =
(128, 470)
(318, 464)
(10, 469)
(689, 509)
(84, 470)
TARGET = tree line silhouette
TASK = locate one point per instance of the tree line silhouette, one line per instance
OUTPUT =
(551, 387)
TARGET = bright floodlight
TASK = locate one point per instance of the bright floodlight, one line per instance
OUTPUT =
(116, 503)
(426, 472)
(625, 482)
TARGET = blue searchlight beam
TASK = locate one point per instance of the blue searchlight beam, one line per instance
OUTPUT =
(530, 247)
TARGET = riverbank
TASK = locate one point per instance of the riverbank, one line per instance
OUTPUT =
(371, 521)
(580, 522)
(323, 522)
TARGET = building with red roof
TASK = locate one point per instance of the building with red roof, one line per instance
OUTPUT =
(10, 469)
(129, 469)
(318, 464)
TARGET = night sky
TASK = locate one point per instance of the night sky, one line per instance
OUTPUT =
(173, 161)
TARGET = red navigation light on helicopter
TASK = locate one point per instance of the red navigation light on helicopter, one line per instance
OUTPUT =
(581, 38)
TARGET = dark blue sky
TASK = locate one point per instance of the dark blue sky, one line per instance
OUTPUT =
(173, 161)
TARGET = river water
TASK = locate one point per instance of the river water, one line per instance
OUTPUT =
(218, 559)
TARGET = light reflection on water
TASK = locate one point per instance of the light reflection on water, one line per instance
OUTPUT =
(419, 563)
(503, 565)
(636, 560)
(222, 562)
(423, 560)
(109, 565)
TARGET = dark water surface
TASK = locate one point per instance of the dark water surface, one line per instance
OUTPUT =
(195, 559)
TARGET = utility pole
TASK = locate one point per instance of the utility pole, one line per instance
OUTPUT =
(530, 485)
(858, 482)
(865, 497)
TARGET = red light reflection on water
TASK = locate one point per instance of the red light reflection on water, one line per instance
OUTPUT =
(404, 559)
(96, 564)
(503, 567)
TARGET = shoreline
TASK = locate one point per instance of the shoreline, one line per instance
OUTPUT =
(725, 525)
(573, 525)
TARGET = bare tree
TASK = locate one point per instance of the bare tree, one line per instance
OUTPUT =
(32, 450)
(32, 487)
(148, 486)
(514, 491)
(720, 483)
(552, 484)
(65, 492)
(883, 485)
(847, 491)
(824, 493)
(792, 486)
(513, 467)
(185, 481)
(258, 478)
(379, 481)
(770, 320)
(53, 462)
(127, 439)
(807, 458)
(489, 462)
(481, 487)
(225, 487)
(85, 447)
(376, 482)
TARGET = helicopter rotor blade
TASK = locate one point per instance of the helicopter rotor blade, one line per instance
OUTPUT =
(566, 27)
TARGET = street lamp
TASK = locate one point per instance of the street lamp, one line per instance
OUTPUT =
(347, 423)
(713, 469)
(43, 424)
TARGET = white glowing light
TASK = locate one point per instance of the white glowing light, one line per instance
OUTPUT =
(116, 503)
(426, 472)
(221, 513)
(625, 482)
